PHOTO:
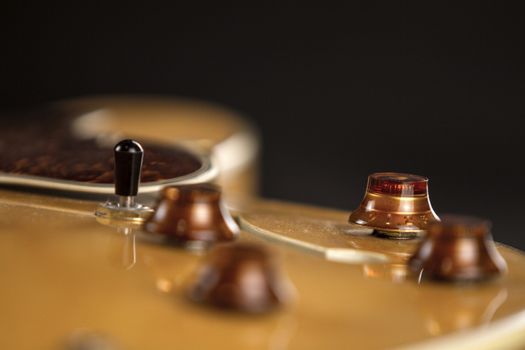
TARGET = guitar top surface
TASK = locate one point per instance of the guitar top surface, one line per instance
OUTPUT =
(68, 275)
(64, 273)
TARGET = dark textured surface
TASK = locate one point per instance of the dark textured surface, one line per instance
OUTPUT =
(45, 147)
(338, 91)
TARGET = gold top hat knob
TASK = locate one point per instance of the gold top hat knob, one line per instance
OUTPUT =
(395, 205)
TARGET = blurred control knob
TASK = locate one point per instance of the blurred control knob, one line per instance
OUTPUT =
(241, 277)
(396, 205)
(459, 248)
(192, 214)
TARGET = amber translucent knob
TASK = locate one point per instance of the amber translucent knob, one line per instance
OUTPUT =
(192, 214)
(458, 248)
(241, 277)
(396, 205)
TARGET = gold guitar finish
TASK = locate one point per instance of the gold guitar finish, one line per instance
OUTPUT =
(68, 278)
(62, 272)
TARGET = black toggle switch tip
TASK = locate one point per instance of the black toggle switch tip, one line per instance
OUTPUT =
(129, 155)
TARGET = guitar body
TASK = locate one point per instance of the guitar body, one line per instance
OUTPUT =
(67, 146)
(68, 278)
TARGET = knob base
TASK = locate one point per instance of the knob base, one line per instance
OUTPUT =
(401, 235)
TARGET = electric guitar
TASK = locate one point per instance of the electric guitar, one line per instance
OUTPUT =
(95, 253)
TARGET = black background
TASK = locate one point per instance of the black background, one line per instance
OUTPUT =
(337, 91)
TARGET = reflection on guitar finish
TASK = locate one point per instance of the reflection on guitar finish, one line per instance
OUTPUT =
(72, 279)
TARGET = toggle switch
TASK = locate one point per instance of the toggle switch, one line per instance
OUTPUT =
(129, 156)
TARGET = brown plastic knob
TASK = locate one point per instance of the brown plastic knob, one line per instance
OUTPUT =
(192, 214)
(241, 277)
(395, 205)
(459, 248)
